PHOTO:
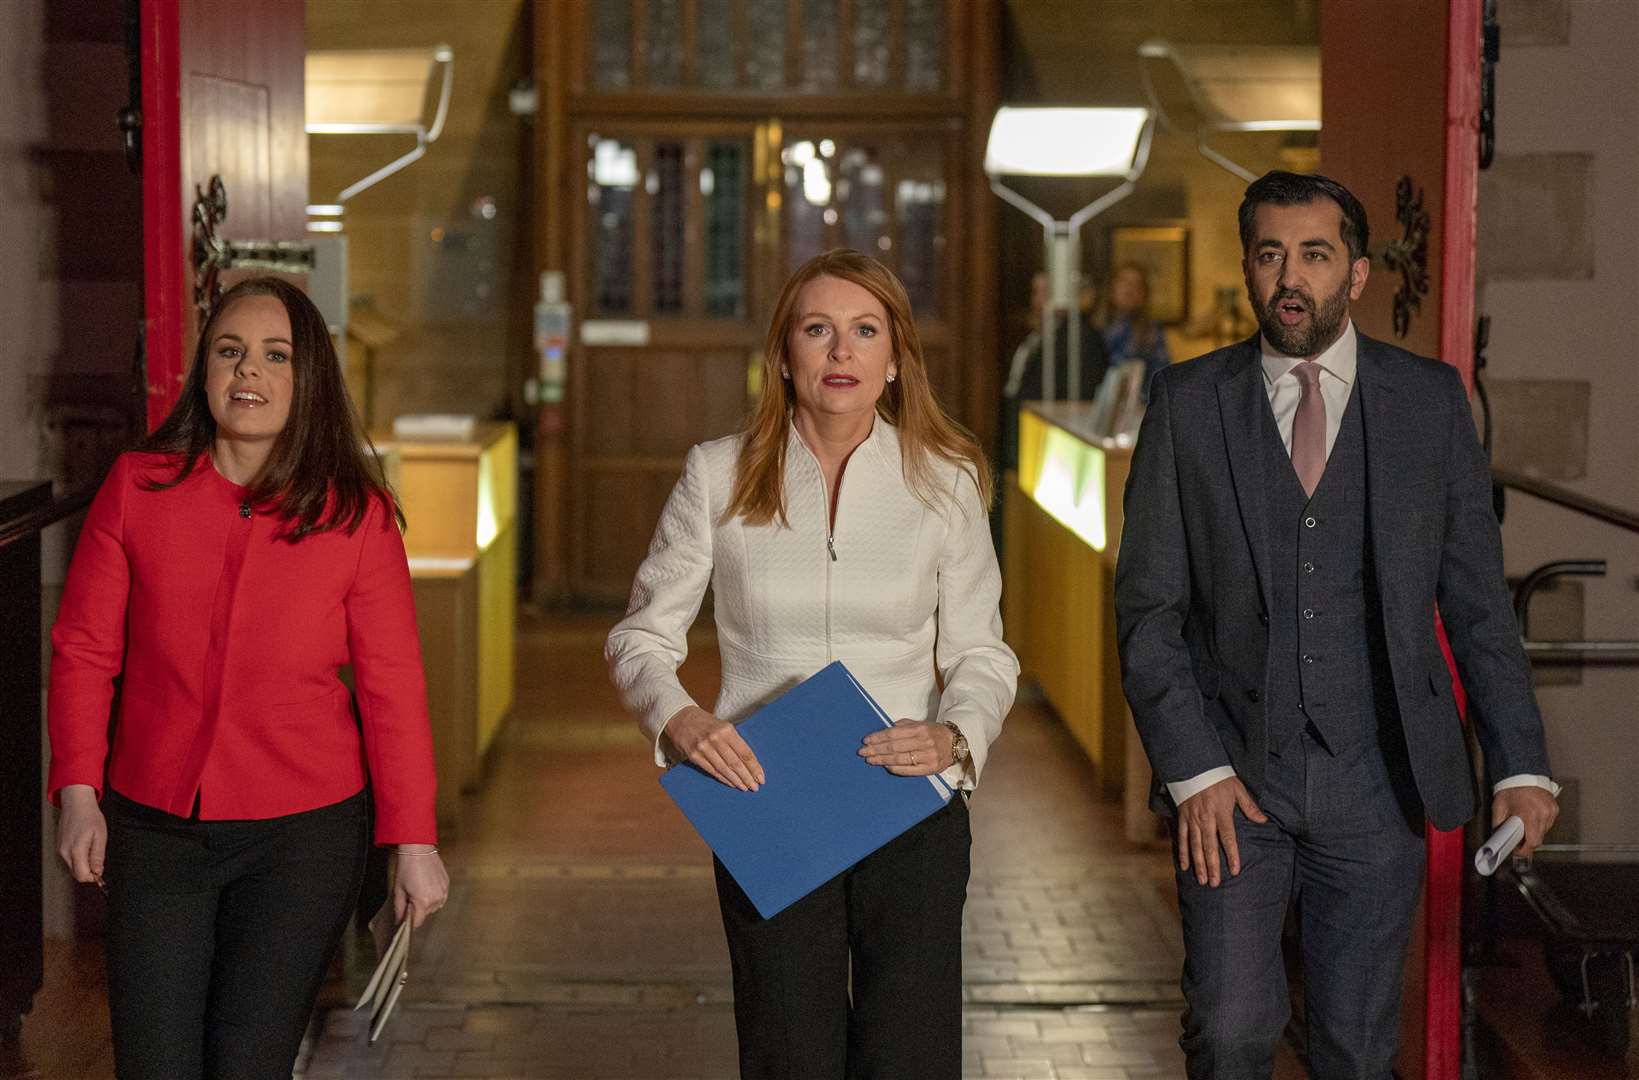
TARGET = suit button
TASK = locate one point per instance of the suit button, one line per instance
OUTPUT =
(1307, 659)
(1309, 523)
(1308, 568)
(1263, 617)
(1308, 613)
(1253, 695)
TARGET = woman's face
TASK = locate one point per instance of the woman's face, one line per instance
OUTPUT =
(840, 353)
(1129, 291)
(249, 379)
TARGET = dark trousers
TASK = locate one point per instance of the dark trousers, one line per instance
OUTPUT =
(1344, 845)
(893, 926)
(219, 933)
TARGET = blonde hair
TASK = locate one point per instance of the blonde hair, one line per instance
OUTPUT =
(926, 431)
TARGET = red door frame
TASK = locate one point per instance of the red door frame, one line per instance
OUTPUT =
(1443, 891)
(165, 260)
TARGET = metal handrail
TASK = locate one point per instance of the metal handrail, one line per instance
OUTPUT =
(1583, 652)
(1570, 500)
(1578, 652)
(56, 510)
(1541, 576)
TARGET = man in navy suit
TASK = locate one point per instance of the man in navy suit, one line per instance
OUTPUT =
(1298, 505)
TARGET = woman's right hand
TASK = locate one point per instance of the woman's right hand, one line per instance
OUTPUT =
(82, 832)
(716, 747)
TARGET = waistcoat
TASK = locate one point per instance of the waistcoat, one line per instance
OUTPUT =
(1328, 661)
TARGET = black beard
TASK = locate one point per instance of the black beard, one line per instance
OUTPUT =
(1324, 326)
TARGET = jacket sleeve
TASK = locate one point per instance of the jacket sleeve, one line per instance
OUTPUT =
(980, 673)
(1152, 601)
(646, 648)
(391, 685)
(1477, 612)
(88, 640)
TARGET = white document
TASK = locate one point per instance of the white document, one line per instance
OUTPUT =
(1496, 849)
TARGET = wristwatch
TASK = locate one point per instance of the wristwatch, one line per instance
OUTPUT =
(958, 744)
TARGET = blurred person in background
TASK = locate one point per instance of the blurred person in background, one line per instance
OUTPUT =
(1129, 332)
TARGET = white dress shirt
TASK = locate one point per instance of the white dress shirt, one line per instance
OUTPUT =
(1338, 364)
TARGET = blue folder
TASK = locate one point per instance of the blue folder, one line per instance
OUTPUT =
(822, 809)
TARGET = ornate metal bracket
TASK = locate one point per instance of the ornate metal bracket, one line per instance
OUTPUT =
(212, 254)
(1408, 256)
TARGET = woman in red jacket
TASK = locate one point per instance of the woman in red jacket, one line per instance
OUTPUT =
(224, 574)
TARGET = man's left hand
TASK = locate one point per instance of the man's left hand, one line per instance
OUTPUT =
(1533, 805)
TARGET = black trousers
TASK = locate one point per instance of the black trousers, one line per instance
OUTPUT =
(891, 927)
(219, 933)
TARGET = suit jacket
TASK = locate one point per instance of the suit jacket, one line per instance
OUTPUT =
(1193, 588)
(229, 641)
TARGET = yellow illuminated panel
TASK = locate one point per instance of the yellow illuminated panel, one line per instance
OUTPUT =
(1070, 485)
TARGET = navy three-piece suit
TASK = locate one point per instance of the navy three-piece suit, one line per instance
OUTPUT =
(1292, 636)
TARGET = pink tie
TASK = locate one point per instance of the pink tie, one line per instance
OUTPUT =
(1309, 428)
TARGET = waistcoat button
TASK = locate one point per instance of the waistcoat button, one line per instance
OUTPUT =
(1309, 522)
(1308, 613)
(1308, 568)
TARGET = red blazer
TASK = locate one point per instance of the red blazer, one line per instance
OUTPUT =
(229, 641)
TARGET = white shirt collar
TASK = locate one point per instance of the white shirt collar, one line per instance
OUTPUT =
(1340, 359)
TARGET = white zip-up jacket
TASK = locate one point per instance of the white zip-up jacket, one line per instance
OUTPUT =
(900, 593)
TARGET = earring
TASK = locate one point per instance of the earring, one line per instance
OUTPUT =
(892, 376)
(785, 373)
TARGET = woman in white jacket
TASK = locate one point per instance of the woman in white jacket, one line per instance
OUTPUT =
(848, 522)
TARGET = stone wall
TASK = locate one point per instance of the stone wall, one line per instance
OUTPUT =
(1558, 231)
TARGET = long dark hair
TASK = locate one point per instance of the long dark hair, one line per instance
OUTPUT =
(323, 470)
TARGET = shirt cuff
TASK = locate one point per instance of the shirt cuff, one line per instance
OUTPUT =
(1198, 783)
(666, 710)
(1528, 780)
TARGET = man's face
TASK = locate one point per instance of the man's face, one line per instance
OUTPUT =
(1299, 276)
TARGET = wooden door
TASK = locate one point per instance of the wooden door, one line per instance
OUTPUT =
(705, 149)
(1400, 128)
(222, 96)
(664, 276)
(687, 232)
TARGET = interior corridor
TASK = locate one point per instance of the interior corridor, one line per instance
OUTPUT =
(582, 938)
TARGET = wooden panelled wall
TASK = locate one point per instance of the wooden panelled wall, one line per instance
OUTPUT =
(689, 154)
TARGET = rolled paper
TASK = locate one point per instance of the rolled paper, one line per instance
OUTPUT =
(1496, 849)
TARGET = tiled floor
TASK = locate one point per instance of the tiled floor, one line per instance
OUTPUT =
(582, 938)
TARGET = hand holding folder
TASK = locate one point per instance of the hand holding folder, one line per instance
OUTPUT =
(382, 992)
(822, 808)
